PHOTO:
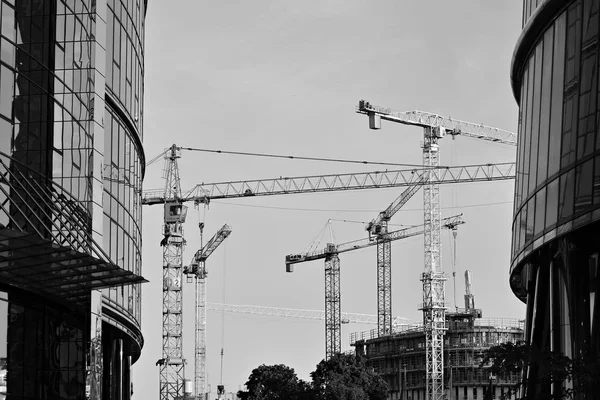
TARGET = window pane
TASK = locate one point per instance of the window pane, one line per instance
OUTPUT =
(573, 42)
(568, 139)
(542, 167)
(530, 220)
(583, 186)
(552, 203)
(565, 202)
(597, 180)
(587, 105)
(522, 140)
(527, 130)
(535, 123)
(557, 95)
(540, 210)
(590, 20)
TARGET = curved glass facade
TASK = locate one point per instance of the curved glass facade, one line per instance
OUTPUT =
(556, 228)
(71, 122)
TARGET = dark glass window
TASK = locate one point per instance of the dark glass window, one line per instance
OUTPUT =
(573, 42)
(522, 139)
(584, 176)
(535, 122)
(552, 203)
(565, 201)
(597, 180)
(568, 139)
(557, 95)
(540, 210)
(590, 21)
(530, 220)
(587, 105)
(571, 80)
(542, 160)
(527, 130)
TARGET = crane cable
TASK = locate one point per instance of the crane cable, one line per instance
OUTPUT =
(304, 158)
(453, 155)
(223, 312)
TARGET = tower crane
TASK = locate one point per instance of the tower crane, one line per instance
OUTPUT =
(172, 363)
(197, 270)
(434, 127)
(333, 318)
(172, 198)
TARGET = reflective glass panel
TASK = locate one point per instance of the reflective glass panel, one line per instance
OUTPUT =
(535, 123)
(584, 175)
(542, 159)
(557, 95)
(552, 203)
(565, 201)
(540, 209)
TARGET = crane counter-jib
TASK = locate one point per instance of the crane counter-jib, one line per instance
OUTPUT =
(203, 193)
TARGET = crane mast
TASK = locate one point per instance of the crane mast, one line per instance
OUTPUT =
(172, 363)
(433, 278)
(434, 127)
(197, 269)
(333, 315)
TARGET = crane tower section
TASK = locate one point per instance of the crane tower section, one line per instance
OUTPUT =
(172, 363)
(333, 316)
(197, 270)
(433, 278)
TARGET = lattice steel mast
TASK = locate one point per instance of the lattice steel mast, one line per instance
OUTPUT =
(435, 127)
(433, 278)
(172, 363)
(197, 270)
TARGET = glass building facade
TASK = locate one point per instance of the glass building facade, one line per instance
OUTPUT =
(556, 228)
(71, 170)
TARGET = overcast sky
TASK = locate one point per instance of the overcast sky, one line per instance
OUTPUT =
(283, 77)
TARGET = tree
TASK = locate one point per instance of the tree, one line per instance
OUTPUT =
(274, 382)
(569, 378)
(347, 377)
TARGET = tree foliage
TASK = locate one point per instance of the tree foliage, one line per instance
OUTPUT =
(274, 382)
(342, 377)
(347, 377)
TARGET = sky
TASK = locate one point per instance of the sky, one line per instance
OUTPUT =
(284, 77)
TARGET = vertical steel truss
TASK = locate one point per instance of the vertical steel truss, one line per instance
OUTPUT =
(433, 277)
(384, 283)
(200, 356)
(172, 363)
(172, 369)
(333, 317)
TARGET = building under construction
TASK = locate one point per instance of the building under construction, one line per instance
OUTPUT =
(400, 357)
